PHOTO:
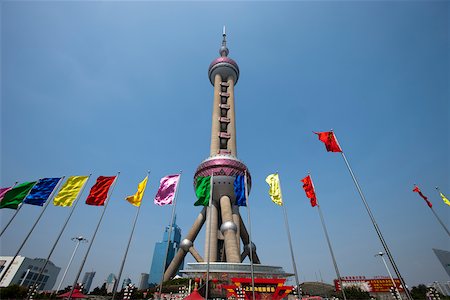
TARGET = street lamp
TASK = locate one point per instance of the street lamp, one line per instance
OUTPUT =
(380, 254)
(78, 239)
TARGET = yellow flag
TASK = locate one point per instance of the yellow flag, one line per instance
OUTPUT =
(137, 198)
(275, 190)
(70, 190)
(445, 199)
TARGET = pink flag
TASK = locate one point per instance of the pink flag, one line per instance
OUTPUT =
(167, 188)
(3, 192)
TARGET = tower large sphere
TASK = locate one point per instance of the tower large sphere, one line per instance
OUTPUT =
(224, 66)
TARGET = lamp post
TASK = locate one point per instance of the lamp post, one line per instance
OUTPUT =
(78, 239)
(380, 254)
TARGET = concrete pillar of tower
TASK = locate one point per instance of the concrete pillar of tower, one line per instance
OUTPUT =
(185, 246)
(215, 126)
(211, 233)
(236, 220)
(231, 115)
(174, 264)
(228, 230)
(195, 254)
(246, 240)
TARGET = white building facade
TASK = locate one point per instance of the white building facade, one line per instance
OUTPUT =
(24, 271)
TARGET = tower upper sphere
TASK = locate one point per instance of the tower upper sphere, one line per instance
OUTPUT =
(223, 65)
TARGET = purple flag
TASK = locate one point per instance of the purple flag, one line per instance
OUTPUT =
(3, 192)
(167, 188)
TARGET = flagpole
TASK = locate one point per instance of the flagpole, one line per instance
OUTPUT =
(128, 246)
(322, 219)
(15, 213)
(331, 250)
(437, 217)
(377, 229)
(28, 235)
(252, 271)
(169, 236)
(440, 221)
(62, 230)
(209, 238)
(93, 237)
(289, 239)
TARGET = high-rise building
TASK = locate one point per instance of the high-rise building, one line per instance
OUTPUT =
(110, 282)
(87, 281)
(24, 271)
(159, 264)
(143, 282)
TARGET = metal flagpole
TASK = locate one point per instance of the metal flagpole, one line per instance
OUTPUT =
(93, 237)
(169, 236)
(209, 238)
(289, 239)
(79, 239)
(375, 225)
(329, 244)
(128, 246)
(15, 213)
(62, 230)
(249, 235)
(28, 235)
(331, 250)
(440, 221)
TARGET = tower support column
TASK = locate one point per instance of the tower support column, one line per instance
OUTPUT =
(229, 229)
(185, 246)
(237, 221)
(211, 233)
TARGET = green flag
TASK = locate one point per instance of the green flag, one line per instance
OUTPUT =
(202, 190)
(16, 195)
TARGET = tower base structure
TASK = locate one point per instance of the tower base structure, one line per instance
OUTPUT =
(234, 279)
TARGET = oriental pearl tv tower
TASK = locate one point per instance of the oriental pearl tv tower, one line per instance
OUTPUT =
(224, 226)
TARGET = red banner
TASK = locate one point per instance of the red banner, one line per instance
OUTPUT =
(369, 285)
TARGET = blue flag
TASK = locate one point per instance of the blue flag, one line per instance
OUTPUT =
(239, 190)
(41, 191)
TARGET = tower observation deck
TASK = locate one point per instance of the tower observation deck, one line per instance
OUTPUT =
(225, 229)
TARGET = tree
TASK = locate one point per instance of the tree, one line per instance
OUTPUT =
(355, 293)
(100, 291)
(13, 292)
(419, 292)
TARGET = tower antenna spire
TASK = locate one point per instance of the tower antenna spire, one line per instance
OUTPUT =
(224, 50)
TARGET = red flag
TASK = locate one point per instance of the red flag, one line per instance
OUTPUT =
(309, 190)
(99, 191)
(416, 189)
(329, 140)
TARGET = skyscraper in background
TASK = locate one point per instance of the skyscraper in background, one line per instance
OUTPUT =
(110, 282)
(143, 282)
(87, 280)
(159, 253)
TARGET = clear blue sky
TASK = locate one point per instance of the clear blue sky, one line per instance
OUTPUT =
(101, 87)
